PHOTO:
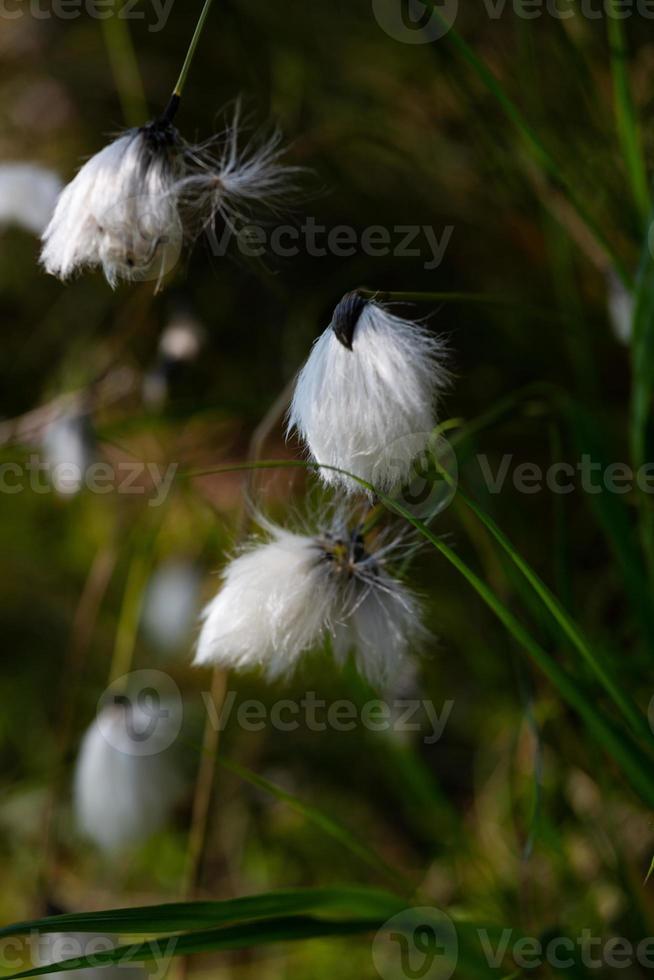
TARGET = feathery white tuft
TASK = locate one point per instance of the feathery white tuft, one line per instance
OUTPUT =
(28, 194)
(119, 213)
(283, 598)
(273, 606)
(121, 794)
(370, 410)
(230, 177)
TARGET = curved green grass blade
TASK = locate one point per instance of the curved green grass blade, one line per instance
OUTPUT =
(625, 112)
(245, 935)
(323, 821)
(539, 152)
(182, 916)
(623, 701)
(635, 766)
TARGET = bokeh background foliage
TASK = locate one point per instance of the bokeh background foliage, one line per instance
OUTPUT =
(515, 817)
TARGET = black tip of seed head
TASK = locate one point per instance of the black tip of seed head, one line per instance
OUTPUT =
(346, 316)
(160, 132)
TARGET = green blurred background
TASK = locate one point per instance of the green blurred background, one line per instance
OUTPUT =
(514, 817)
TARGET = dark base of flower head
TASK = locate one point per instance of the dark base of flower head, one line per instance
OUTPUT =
(160, 134)
(346, 316)
(345, 552)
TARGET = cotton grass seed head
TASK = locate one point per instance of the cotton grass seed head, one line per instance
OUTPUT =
(365, 401)
(132, 206)
(119, 213)
(287, 594)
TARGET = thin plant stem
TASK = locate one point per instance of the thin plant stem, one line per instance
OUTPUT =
(204, 786)
(211, 738)
(183, 75)
(474, 299)
(124, 67)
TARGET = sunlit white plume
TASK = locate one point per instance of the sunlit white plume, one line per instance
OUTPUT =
(365, 400)
(126, 780)
(53, 947)
(620, 304)
(283, 597)
(68, 451)
(120, 213)
(232, 176)
(28, 193)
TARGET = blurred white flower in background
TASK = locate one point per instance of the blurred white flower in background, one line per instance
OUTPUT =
(68, 450)
(180, 344)
(171, 604)
(28, 194)
(365, 400)
(126, 778)
(284, 596)
(620, 303)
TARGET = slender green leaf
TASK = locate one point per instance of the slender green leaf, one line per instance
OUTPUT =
(322, 820)
(181, 916)
(539, 152)
(620, 697)
(625, 112)
(244, 935)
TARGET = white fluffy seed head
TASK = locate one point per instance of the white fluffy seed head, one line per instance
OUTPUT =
(370, 410)
(119, 213)
(28, 193)
(123, 794)
(285, 596)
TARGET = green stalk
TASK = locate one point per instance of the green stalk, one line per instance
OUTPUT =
(181, 81)
(124, 67)
(625, 112)
(623, 701)
(538, 150)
